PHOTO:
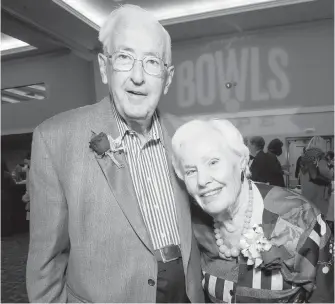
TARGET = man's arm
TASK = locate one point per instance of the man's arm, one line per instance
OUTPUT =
(49, 240)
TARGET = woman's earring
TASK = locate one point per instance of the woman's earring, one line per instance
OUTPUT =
(242, 176)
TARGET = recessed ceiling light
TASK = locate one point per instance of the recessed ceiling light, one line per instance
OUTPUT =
(9, 99)
(24, 93)
(8, 42)
(11, 45)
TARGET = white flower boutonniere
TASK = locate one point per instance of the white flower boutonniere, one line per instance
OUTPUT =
(103, 144)
(253, 243)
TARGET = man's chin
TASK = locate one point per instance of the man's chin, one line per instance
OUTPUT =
(139, 117)
(138, 113)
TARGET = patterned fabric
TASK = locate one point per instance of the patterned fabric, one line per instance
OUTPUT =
(150, 174)
(298, 233)
(218, 288)
(269, 287)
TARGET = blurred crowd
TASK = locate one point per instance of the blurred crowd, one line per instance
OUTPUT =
(15, 197)
(314, 171)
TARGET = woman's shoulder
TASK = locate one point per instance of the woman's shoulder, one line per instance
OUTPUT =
(288, 204)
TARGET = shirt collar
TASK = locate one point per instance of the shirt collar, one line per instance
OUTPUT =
(155, 132)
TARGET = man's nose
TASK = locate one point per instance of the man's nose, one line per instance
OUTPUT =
(137, 73)
(204, 178)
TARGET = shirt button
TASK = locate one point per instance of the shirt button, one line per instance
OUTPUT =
(151, 282)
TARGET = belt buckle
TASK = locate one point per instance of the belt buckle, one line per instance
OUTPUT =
(165, 259)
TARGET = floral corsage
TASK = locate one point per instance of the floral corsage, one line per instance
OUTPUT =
(104, 144)
(253, 244)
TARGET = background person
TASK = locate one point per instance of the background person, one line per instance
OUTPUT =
(298, 166)
(26, 196)
(265, 167)
(257, 166)
(330, 213)
(330, 159)
(7, 200)
(316, 177)
(275, 149)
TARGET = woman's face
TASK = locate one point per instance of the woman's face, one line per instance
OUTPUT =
(211, 171)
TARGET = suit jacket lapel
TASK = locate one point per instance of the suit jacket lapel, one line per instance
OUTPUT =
(119, 179)
(180, 195)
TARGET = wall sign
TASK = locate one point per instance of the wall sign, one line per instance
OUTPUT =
(290, 67)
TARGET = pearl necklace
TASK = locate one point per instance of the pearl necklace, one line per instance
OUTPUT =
(233, 252)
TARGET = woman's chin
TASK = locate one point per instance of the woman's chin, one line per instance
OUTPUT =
(214, 208)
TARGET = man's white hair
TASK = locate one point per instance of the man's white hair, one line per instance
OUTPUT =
(230, 137)
(131, 12)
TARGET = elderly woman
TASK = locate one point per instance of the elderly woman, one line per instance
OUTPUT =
(258, 243)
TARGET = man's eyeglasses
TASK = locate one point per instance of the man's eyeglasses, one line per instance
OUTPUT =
(124, 62)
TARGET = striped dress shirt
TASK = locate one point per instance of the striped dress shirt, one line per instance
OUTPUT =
(150, 175)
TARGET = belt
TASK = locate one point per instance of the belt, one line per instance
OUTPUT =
(168, 253)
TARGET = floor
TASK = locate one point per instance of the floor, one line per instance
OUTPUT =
(14, 250)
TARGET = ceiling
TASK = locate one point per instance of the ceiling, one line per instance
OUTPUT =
(50, 27)
(168, 12)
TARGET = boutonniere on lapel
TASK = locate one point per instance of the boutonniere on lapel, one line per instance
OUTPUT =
(105, 145)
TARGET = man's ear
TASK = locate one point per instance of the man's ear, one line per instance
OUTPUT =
(103, 67)
(170, 73)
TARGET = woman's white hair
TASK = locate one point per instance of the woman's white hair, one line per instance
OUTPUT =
(131, 12)
(230, 137)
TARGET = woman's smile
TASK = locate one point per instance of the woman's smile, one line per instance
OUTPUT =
(209, 195)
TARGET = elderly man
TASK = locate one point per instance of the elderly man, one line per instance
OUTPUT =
(109, 220)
